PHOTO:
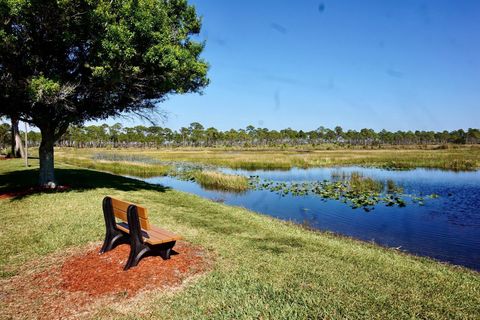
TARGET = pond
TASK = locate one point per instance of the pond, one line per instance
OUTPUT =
(446, 228)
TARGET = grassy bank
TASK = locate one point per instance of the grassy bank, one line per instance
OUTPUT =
(465, 158)
(264, 268)
(206, 178)
(137, 169)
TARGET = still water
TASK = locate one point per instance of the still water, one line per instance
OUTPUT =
(446, 228)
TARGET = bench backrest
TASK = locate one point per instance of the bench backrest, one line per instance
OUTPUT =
(120, 208)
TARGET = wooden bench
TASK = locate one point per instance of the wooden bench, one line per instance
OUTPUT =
(134, 227)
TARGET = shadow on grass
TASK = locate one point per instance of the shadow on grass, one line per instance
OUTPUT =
(73, 179)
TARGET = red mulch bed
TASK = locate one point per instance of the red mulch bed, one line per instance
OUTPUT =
(100, 274)
(31, 190)
(83, 282)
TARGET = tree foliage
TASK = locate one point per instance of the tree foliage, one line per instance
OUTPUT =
(195, 135)
(64, 62)
(81, 60)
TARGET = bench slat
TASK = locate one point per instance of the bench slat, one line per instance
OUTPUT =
(152, 237)
(122, 215)
(163, 232)
(120, 208)
(157, 237)
(123, 206)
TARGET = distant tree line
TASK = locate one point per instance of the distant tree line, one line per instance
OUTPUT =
(196, 135)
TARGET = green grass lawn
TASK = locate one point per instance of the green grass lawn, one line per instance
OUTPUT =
(264, 268)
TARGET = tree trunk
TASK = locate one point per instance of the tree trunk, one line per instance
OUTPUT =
(17, 147)
(47, 174)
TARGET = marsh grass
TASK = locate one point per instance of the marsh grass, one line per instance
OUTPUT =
(392, 187)
(137, 169)
(221, 181)
(458, 159)
(145, 167)
(264, 268)
(360, 184)
(357, 182)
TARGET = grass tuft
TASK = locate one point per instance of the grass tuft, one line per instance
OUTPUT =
(360, 184)
(221, 181)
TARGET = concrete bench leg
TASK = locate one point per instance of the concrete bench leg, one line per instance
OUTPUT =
(165, 250)
(137, 252)
(138, 248)
(113, 236)
(113, 239)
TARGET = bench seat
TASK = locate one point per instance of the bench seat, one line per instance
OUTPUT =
(154, 235)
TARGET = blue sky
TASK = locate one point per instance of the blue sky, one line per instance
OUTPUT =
(399, 65)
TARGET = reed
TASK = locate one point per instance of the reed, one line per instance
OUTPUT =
(221, 181)
(360, 184)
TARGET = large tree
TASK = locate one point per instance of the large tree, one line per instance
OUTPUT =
(4, 135)
(68, 61)
(9, 97)
(16, 141)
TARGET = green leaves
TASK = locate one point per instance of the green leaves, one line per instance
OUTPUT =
(43, 90)
(112, 56)
(117, 43)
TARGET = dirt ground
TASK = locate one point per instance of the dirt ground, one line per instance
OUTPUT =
(78, 284)
(30, 190)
